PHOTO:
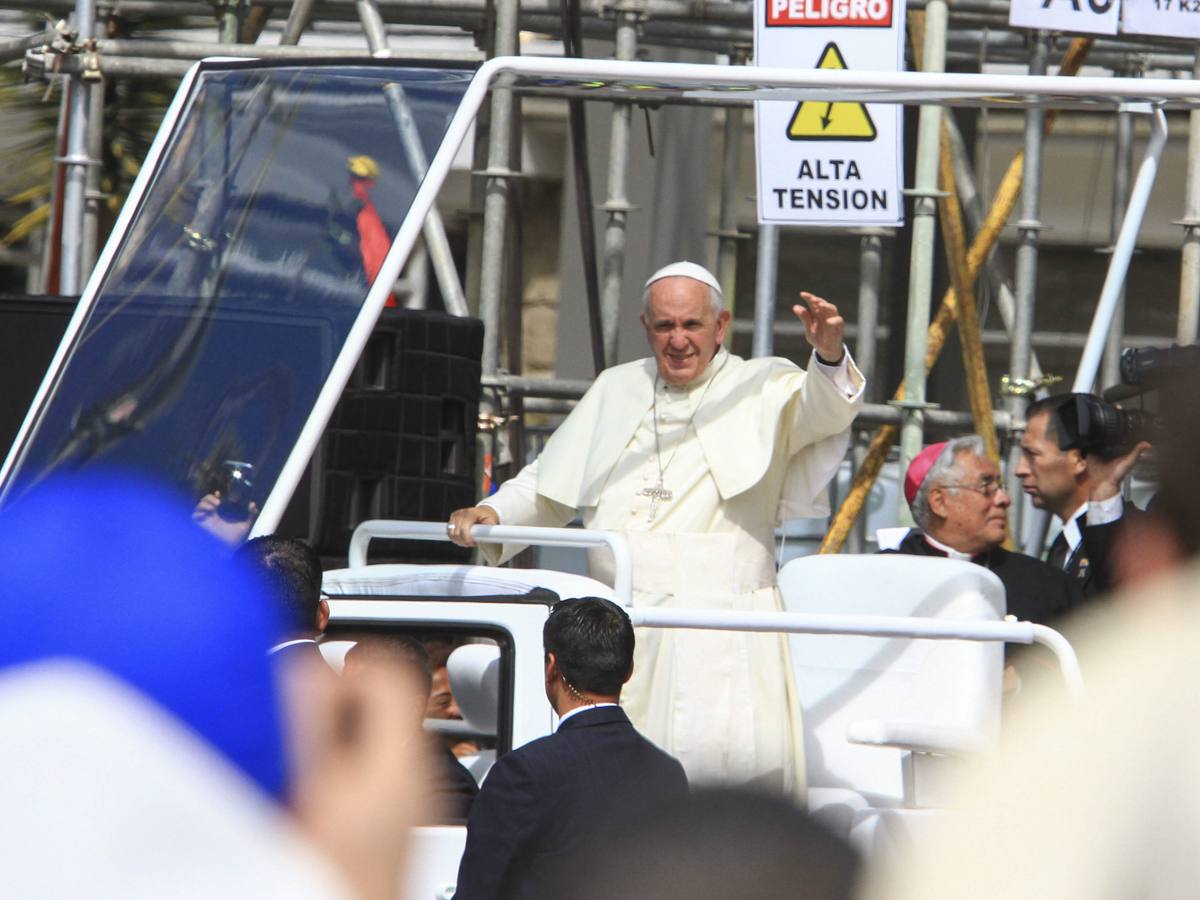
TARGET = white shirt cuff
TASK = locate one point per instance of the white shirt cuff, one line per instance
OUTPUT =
(839, 374)
(1104, 512)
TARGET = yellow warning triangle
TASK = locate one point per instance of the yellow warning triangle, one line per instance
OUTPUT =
(839, 120)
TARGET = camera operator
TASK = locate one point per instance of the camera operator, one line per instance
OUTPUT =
(1076, 453)
(1164, 539)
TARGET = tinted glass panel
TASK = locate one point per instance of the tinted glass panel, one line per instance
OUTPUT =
(241, 274)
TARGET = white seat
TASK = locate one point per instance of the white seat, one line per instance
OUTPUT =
(474, 673)
(411, 580)
(881, 715)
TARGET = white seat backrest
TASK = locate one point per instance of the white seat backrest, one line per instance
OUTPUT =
(409, 580)
(842, 679)
(474, 672)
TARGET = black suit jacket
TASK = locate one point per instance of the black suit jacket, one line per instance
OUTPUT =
(542, 805)
(1036, 591)
(1091, 566)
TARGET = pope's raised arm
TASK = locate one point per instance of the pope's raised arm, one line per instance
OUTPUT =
(824, 328)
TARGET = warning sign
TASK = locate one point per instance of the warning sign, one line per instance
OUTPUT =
(1087, 16)
(1170, 18)
(837, 120)
(859, 13)
(817, 13)
(829, 161)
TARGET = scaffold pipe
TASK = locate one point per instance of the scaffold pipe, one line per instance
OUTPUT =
(1118, 266)
(1188, 323)
(924, 224)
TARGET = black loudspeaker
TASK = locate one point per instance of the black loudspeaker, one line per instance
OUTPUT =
(31, 328)
(401, 442)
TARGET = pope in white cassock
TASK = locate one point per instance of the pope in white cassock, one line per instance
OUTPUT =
(695, 455)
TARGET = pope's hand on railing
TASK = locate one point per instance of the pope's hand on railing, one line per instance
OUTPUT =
(462, 520)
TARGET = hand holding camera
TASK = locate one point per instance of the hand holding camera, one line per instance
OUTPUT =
(1107, 473)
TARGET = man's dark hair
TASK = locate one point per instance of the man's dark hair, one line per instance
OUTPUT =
(439, 647)
(592, 639)
(292, 572)
(401, 648)
(1050, 406)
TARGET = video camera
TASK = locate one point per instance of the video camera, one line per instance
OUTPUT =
(1093, 425)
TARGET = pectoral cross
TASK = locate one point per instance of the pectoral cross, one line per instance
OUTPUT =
(656, 494)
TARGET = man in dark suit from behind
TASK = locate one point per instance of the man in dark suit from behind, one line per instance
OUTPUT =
(543, 804)
(291, 571)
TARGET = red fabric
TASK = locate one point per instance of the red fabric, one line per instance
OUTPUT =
(919, 468)
(373, 240)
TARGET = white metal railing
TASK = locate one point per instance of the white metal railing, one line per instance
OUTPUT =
(870, 626)
(583, 538)
(914, 627)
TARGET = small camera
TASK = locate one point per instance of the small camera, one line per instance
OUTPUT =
(235, 481)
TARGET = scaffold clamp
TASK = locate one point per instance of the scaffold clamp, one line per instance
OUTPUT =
(1025, 387)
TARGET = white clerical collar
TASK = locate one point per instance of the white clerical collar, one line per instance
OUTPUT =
(714, 366)
(577, 710)
(949, 551)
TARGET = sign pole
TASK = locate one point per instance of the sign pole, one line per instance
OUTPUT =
(764, 291)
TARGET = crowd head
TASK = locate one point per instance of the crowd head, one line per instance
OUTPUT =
(720, 843)
(291, 571)
(146, 597)
(400, 649)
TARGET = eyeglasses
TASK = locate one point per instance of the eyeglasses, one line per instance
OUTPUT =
(989, 487)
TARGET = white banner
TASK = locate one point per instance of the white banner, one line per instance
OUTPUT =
(1169, 18)
(1086, 16)
(829, 163)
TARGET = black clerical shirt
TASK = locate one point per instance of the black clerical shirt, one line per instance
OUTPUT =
(1036, 591)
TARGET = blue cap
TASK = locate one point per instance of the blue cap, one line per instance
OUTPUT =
(109, 569)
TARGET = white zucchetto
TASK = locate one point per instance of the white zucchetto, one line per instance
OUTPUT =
(688, 270)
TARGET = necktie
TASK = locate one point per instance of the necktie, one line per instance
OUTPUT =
(1058, 552)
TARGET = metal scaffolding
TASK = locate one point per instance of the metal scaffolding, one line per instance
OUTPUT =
(970, 31)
